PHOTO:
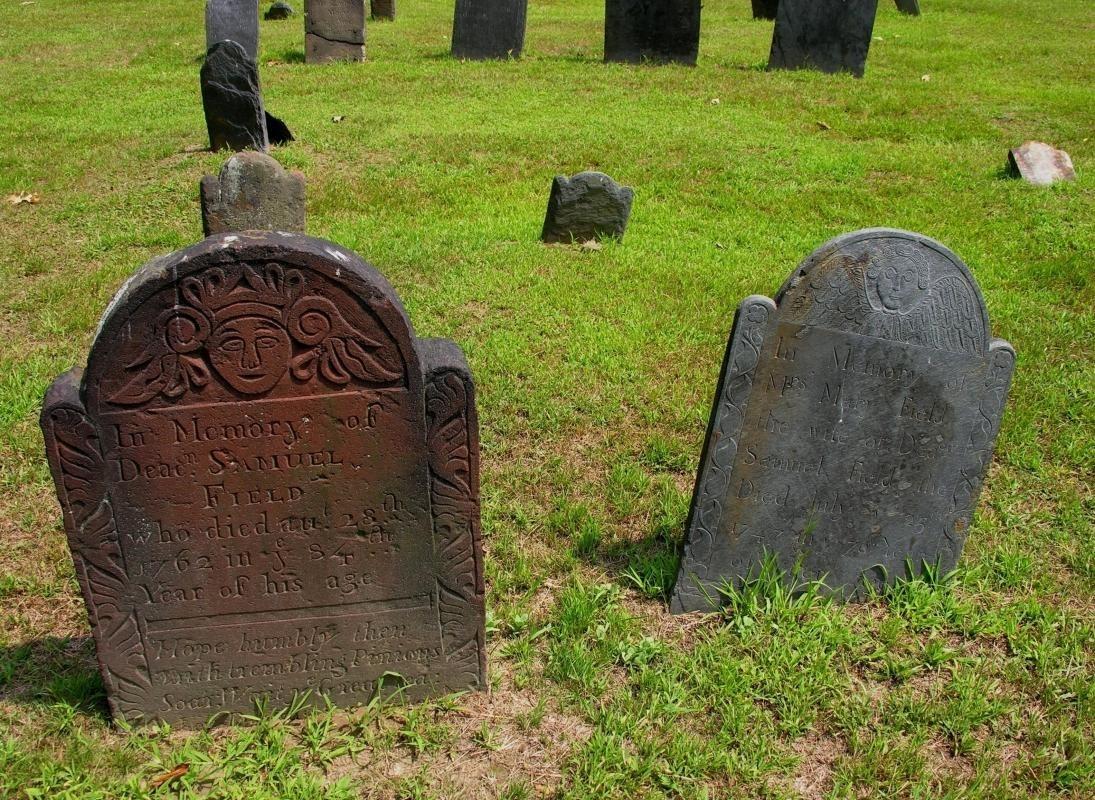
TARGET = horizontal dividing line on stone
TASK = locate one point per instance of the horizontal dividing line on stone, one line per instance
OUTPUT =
(271, 400)
(414, 603)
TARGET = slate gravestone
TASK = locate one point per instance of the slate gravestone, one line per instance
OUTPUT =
(910, 7)
(279, 10)
(270, 485)
(234, 20)
(827, 35)
(234, 112)
(334, 30)
(661, 31)
(765, 9)
(588, 206)
(252, 193)
(1040, 164)
(382, 9)
(483, 29)
(853, 423)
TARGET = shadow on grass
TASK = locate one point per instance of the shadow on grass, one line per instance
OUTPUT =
(648, 565)
(51, 671)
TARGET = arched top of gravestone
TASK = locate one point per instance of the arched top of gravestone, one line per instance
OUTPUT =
(889, 284)
(244, 316)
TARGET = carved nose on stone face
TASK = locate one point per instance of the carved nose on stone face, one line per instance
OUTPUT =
(251, 360)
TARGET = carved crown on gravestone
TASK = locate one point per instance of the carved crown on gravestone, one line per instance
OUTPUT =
(853, 423)
(270, 486)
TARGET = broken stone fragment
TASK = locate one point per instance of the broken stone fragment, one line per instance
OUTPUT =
(277, 131)
(1040, 164)
(279, 10)
(589, 205)
(234, 113)
(253, 192)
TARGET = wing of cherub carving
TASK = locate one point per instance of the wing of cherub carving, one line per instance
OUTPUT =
(250, 327)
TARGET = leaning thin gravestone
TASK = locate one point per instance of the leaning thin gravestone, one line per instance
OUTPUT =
(334, 30)
(270, 485)
(853, 423)
(483, 29)
(234, 20)
(234, 112)
(661, 31)
(1040, 164)
(827, 35)
(252, 193)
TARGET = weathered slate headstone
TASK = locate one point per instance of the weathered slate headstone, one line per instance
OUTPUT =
(252, 193)
(334, 30)
(765, 9)
(853, 423)
(1040, 164)
(279, 10)
(662, 31)
(588, 206)
(234, 20)
(234, 112)
(827, 35)
(910, 7)
(270, 485)
(483, 29)
(382, 9)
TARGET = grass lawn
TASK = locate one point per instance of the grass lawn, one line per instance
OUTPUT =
(595, 373)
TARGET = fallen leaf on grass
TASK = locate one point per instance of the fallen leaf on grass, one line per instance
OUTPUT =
(24, 197)
(178, 772)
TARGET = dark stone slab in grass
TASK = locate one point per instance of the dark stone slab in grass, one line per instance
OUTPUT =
(661, 31)
(277, 131)
(270, 485)
(483, 29)
(235, 20)
(382, 9)
(279, 10)
(588, 206)
(234, 113)
(826, 35)
(334, 30)
(253, 192)
(765, 9)
(910, 7)
(853, 422)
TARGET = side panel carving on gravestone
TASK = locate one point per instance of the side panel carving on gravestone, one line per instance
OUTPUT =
(334, 30)
(270, 486)
(662, 31)
(826, 35)
(234, 20)
(853, 425)
(483, 29)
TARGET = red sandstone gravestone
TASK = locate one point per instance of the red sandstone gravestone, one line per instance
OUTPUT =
(270, 485)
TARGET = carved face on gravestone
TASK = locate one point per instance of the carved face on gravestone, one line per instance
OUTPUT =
(897, 281)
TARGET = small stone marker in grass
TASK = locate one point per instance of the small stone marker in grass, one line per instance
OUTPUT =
(853, 422)
(765, 9)
(234, 113)
(660, 31)
(270, 486)
(589, 206)
(253, 192)
(334, 30)
(1040, 164)
(279, 10)
(382, 9)
(234, 20)
(826, 35)
(484, 29)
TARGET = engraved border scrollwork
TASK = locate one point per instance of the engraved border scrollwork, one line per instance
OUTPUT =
(453, 450)
(77, 463)
(721, 447)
